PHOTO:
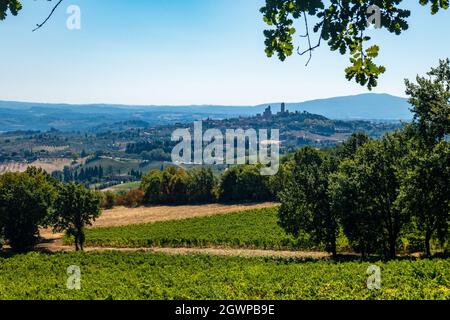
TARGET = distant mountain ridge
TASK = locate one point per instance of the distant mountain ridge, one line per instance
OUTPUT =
(43, 116)
(360, 107)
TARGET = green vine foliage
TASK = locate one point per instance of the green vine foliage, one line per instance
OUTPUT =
(340, 23)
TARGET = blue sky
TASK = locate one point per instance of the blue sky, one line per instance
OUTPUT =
(179, 52)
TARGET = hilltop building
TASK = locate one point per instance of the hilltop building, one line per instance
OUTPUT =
(268, 112)
(283, 111)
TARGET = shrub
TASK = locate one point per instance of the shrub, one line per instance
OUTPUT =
(108, 200)
(132, 199)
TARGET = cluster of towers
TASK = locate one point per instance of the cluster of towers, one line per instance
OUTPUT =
(268, 112)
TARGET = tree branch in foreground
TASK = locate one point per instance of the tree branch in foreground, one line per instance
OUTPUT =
(38, 26)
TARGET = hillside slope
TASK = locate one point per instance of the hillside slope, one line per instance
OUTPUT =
(42, 116)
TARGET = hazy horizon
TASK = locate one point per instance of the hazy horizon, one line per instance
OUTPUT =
(187, 53)
(198, 105)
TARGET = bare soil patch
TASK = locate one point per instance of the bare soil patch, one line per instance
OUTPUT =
(58, 246)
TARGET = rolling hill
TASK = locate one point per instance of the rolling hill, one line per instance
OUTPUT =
(66, 117)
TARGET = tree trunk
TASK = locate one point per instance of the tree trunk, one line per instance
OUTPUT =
(76, 243)
(81, 238)
(363, 253)
(392, 247)
(427, 243)
(81, 245)
(333, 248)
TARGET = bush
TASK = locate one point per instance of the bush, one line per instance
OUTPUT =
(132, 199)
(108, 200)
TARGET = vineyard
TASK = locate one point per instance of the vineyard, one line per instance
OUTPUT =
(184, 155)
(247, 229)
(155, 276)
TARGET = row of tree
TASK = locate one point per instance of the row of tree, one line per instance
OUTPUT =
(33, 200)
(93, 174)
(88, 173)
(377, 191)
(160, 148)
(176, 185)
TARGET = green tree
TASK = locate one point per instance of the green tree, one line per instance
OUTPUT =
(425, 178)
(349, 148)
(151, 184)
(251, 185)
(347, 190)
(364, 193)
(75, 208)
(244, 183)
(305, 203)
(165, 187)
(284, 175)
(25, 204)
(201, 185)
(228, 181)
(342, 24)
(430, 98)
(425, 192)
(174, 185)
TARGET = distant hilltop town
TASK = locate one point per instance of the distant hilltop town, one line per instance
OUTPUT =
(284, 112)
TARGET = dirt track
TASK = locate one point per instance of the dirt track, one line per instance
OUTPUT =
(57, 246)
(121, 216)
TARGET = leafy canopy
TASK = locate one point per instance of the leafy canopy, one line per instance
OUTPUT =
(430, 98)
(342, 24)
(425, 191)
(75, 208)
(13, 6)
(305, 203)
(25, 204)
(364, 193)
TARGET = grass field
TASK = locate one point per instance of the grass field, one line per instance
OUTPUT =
(247, 229)
(122, 166)
(124, 187)
(157, 276)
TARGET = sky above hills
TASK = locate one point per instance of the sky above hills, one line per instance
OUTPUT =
(180, 52)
